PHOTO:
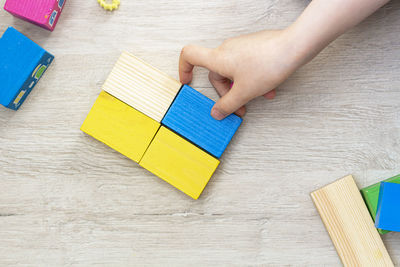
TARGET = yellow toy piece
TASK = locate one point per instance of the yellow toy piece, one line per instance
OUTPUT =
(120, 126)
(109, 6)
(179, 162)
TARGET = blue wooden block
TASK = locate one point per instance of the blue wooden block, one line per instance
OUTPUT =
(388, 212)
(189, 116)
(22, 64)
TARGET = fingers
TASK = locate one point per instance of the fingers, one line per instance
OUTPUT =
(241, 111)
(223, 85)
(270, 95)
(191, 56)
(220, 83)
(232, 101)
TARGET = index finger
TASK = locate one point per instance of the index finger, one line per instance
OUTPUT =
(191, 56)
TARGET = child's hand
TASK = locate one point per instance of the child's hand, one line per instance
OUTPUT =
(256, 64)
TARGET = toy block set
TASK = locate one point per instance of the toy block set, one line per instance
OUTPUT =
(44, 13)
(161, 124)
(349, 215)
(22, 64)
(166, 128)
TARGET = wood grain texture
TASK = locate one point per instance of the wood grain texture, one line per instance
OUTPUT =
(120, 126)
(179, 162)
(350, 225)
(142, 86)
(189, 116)
(67, 199)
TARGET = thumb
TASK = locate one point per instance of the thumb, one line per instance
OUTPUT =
(229, 103)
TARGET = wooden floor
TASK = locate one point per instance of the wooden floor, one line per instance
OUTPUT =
(67, 199)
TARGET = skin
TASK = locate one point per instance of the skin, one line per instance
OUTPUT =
(253, 65)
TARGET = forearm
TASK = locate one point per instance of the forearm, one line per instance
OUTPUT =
(325, 20)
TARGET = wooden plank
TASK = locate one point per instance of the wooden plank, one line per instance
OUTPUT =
(349, 224)
(388, 213)
(190, 117)
(371, 196)
(179, 162)
(120, 126)
(142, 86)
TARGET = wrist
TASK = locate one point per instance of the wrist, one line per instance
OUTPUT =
(296, 51)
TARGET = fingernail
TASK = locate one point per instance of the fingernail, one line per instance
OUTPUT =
(217, 114)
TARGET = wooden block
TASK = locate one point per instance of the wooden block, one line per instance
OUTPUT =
(44, 13)
(388, 213)
(190, 117)
(120, 126)
(179, 162)
(141, 86)
(22, 64)
(371, 195)
(349, 224)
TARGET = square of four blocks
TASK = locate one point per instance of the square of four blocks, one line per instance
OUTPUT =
(161, 124)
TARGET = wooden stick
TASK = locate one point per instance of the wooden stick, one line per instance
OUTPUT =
(350, 225)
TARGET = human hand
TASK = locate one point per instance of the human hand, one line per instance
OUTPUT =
(257, 63)
(242, 68)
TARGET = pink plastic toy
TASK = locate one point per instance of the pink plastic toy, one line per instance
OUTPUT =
(44, 13)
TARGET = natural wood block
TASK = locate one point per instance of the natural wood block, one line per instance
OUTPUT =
(371, 196)
(142, 86)
(179, 162)
(350, 225)
(120, 126)
(190, 117)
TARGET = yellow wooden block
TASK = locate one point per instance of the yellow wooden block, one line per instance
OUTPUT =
(120, 126)
(179, 162)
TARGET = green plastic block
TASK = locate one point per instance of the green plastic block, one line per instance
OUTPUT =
(371, 195)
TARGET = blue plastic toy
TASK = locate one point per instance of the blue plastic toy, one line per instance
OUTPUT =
(189, 116)
(388, 212)
(22, 64)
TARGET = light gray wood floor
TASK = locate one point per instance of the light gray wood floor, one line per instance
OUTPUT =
(67, 199)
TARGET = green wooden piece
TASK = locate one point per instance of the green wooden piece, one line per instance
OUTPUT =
(371, 195)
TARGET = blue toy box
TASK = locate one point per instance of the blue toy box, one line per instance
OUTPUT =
(22, 64)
